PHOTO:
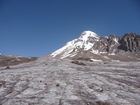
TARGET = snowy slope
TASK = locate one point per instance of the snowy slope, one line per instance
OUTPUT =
(83, 42)
(88, 41)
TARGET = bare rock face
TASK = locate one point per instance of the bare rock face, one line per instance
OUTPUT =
(107, 45)
(113, 43)
(130, 42)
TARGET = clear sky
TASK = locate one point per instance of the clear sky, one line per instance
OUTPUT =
(38, 27)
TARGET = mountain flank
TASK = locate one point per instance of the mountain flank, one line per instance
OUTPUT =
(112, 47)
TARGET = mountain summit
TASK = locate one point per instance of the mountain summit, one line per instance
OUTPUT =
(88, 41)
(87, 34)
(91, 45)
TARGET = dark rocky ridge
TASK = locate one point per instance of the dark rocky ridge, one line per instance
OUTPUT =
(130, 42)
(112, 44)
(108, 44)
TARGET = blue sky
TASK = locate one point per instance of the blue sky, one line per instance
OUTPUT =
(38, 27)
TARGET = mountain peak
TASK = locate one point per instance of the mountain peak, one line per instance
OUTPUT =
(90, 44)
(86, 34)
(85, 42)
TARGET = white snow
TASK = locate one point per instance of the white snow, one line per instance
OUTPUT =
(68, 46)
(96, 60)
(106, 57)
(103, 97)
(81, 42)
(112, 54)
(84, 36)
(103, 52)
(115, 60)
(95, 51)
(116, 40)
(88, 46)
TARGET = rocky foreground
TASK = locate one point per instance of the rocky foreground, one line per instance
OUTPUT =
(67, 82)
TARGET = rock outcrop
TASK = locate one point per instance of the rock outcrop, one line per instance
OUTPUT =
(130, 42)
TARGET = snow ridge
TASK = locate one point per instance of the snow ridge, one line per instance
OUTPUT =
(83, 42)
(86, 34)
(88, 44)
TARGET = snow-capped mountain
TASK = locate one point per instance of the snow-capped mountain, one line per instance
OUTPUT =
(87, 44)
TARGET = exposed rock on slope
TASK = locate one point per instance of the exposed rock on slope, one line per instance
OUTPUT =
(14, 60)
(130, 42)
(61, 82)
